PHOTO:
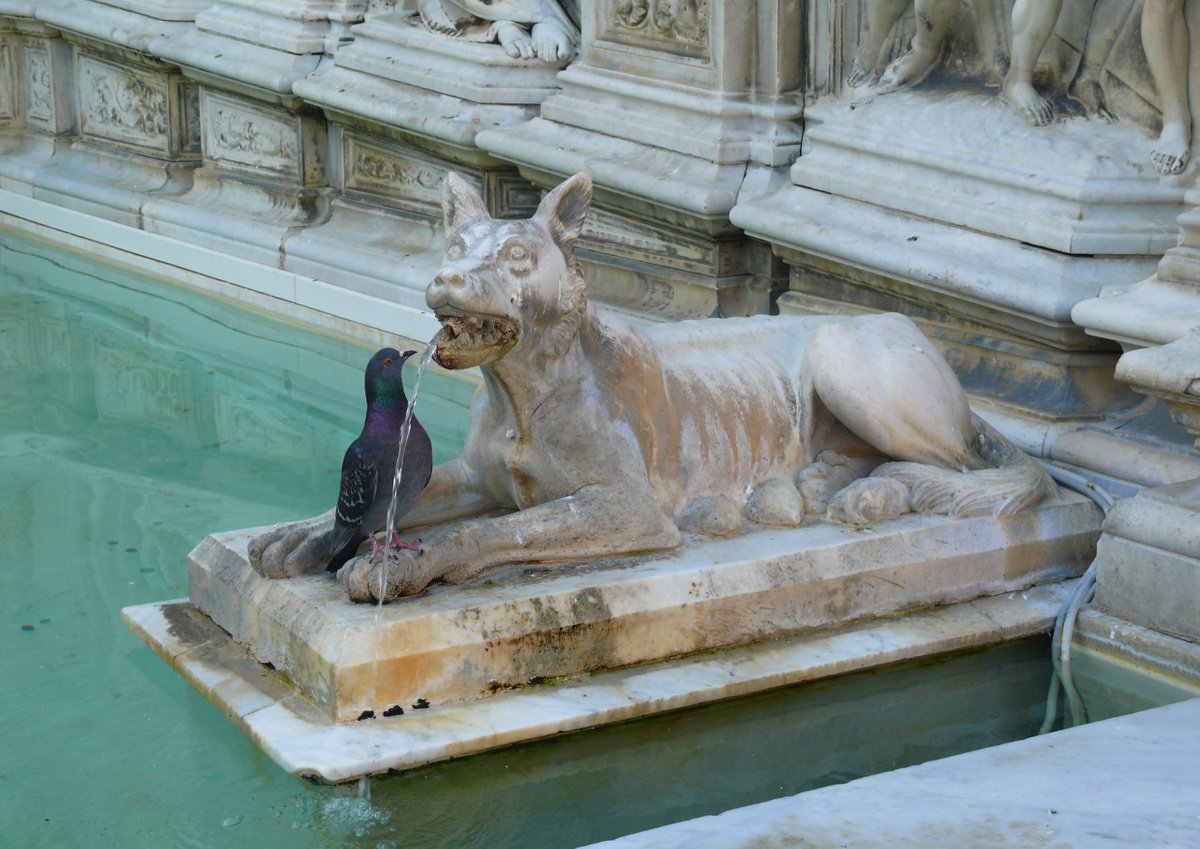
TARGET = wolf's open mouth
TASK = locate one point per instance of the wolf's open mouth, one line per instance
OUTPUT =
(471, 331)
(467, 340)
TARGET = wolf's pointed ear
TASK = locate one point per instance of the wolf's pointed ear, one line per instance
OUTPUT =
(565, 207)
(461, 204)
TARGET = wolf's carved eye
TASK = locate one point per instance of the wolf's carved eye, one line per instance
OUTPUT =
(455, 250)
(519, 257)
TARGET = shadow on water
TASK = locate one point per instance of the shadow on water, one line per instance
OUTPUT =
(135, 417)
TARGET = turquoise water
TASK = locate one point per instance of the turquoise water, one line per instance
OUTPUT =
(137, 416)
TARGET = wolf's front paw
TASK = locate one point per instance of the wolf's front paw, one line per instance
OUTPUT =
(370, 577)
(293, 548)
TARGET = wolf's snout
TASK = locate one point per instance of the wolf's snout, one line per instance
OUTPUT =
(449, 276)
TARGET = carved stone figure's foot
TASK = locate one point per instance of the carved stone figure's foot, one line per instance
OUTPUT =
(1031, 106)
(831, 473)
(293, 548)
(869, 500)
(1088, 92)
(515, 40)
(1171, 152)
(859, 75)
(552, 43)
(862, 69)
(909, 70)
(776, 502)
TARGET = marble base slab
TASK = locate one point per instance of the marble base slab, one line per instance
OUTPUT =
(534, 623)
(966, 159)
(308, 744)
(398, 47)
(1129, 781)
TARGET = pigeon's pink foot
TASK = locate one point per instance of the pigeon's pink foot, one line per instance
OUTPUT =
(397, 544)
(403, 544)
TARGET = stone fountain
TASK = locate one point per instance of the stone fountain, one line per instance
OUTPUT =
(630, 502)
(773, 499)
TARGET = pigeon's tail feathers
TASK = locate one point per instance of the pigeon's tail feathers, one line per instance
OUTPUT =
(343, 545)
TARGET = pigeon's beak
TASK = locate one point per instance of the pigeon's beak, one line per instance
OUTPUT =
(408, 354)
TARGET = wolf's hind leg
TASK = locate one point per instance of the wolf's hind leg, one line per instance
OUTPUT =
(884, 380)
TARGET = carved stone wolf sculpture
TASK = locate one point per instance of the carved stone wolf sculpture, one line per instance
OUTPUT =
(590, 438)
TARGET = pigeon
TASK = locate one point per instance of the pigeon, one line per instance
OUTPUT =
(368, 468)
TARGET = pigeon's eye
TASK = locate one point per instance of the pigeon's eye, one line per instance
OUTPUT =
(388, 361)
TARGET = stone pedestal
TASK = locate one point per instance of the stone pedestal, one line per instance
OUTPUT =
(138, 129)
(455, 644)
(666, 112)
(404, 107)
(1149, 557)
(264, 177)
(1148, 579)
(946, 206)
(543, 650)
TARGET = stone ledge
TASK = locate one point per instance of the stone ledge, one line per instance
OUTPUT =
(308, 744)
(1151, 653)
(454, 644)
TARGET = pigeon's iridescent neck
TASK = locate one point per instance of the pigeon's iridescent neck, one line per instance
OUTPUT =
(385, 411)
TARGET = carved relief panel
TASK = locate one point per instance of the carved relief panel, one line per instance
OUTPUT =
(244, 135)
(672, 26)
(124, 105)
(399, 177)
(39, 83)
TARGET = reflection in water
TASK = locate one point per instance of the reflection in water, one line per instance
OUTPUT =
(135, 417)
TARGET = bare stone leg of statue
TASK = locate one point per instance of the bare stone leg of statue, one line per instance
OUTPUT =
(933, 21)
(1167, 39)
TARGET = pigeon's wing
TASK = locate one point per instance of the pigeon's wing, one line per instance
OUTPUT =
(360, 481)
